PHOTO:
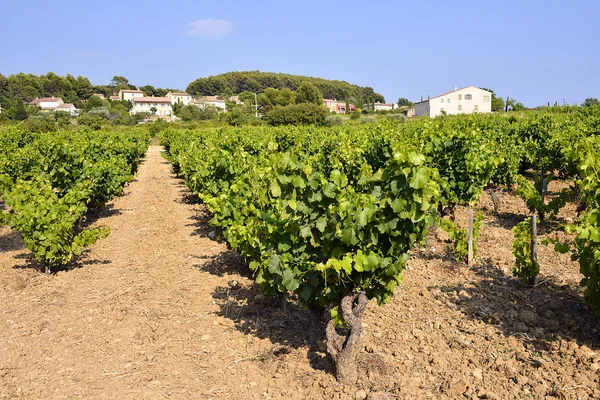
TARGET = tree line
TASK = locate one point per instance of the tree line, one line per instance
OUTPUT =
(231, 83)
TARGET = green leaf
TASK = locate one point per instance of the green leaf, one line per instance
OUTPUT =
(289, 280)
(419, 179)
(275, 189)
(329, 190)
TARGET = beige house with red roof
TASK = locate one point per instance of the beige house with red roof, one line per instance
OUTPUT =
(184, 98)
(130, 94)
(467, 100)
(160, 106)
(208, 101)
(337, 106)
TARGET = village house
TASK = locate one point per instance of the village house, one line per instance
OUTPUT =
(51, 104)
(381, 106)
(114, 98)
(67, 107)
(159, 106)
(184, 98)
(47, 103)
(130, 94)
(100, 95)
(207, 101)
(336, 106)
(459, 101)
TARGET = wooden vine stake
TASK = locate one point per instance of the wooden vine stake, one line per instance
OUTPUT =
(534, 247)
(470, 245)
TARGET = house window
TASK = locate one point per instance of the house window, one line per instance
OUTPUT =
(476, 107)
(486, 98)
(460, 96)
(442, 99)
(460, 107)
(468, 97)
(448, 100)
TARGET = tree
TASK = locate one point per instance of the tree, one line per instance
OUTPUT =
(497, 103)
(177, 107)
(404, 102)
(117, 80)
(83, 88)
(18, 112)
(296, 114)
(153, 110)
(589, 102)
(308, 93)
(94, 102)
(513, 105)
(148, 90)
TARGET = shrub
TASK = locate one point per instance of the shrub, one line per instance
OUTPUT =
(368, 120)
(334, 120)
(297, 114)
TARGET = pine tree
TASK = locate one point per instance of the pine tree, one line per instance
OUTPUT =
(19, 112)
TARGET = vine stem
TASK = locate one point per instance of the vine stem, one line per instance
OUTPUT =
(470, 243)
(534, 247)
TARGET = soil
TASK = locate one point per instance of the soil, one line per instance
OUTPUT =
(162, 310)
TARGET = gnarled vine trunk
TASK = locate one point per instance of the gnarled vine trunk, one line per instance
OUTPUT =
(345, 348)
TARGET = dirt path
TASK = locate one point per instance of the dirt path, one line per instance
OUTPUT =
(138, 319)
(158, 310)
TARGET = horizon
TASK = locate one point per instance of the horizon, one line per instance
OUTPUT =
(536, 53)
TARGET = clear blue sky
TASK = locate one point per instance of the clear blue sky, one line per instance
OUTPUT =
(532, 50)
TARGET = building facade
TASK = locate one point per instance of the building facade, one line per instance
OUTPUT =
(184, 98)
(337, 106)
(208, 101)
(47, 103)
(467, 100)
(159, 106)
(130, 94)
(67, 107)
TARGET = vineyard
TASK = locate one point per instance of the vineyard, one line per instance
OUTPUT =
(424, 216)
(49, 181)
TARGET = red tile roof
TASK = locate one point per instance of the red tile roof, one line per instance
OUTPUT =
(131, 91)
(45, 100)
(65, 105)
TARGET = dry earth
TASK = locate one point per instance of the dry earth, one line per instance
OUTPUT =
(159, 310)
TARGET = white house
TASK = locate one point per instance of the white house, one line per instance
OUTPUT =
(207, 101)
(114, 98)
(67, 107)
(130, 94)
(459, 101)
(384, 107)
(160, 106)
(184, 98)
(47, 103)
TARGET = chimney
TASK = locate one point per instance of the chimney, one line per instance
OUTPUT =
(455, 89)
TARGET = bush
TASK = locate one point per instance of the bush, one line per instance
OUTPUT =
(92, 121)
(100, 111)
(397, 117)
(334, 120)
(296, 114)
(40, 123)
(368, 120)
